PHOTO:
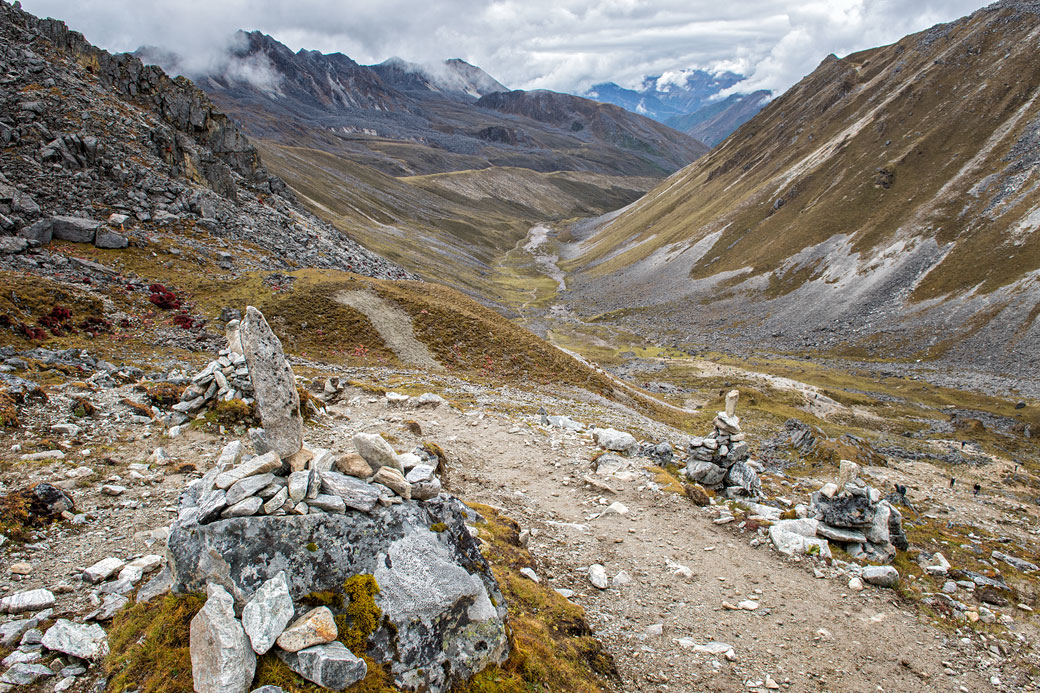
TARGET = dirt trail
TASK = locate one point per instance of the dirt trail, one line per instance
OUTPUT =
(809, 633)
(394, 326)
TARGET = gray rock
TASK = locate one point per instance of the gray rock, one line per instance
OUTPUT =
(895, 529)
(247, 487)
(274, 387)
(846, 536)
(598, 576)
(267, 614)
(76, 639)
(843, 510)
(156, 587)
(355, 493)
(1014, 562)
(276, 502)
(211, 505)
(443, 608)
(23, 674)
(12, 245)
(110, 606)
(705, 473)
(877, 532)
(221, 657)
(268, 689)
(244, 508)
(797, 537)
(254, 466)
(41, 231)
(32, 600)
(881, 575)
(745, 477)
(328, 503)
(12, 631)
(74, 229)
(298, 484)
(618, 441)
(20, 657)
(331, 666)
(106, 238)
(316, 627)
(376, 451)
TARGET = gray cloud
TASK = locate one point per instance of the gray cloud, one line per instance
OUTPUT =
(565, 45)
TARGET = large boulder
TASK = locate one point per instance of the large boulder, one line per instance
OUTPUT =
(274, 387)
(443, 614)
(74, 229)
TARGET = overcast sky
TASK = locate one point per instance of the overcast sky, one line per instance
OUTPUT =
(566, 45)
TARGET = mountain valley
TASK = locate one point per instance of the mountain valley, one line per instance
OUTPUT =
(324, 376)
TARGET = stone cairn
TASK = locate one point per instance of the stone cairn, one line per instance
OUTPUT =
(855, 515)
(223, 379)
(720, 460)
(260, 533)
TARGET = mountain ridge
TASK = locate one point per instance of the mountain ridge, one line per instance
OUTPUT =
(902, 219)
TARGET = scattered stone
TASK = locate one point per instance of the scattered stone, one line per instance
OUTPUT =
(23, 674)
(330, 666)
(530, 574)
(221, 656)
(316, 627)
(598, 576)
(267, 614)
(20, 569)
(618, 441)
(77, 640)
(32, 600)
(881, 575)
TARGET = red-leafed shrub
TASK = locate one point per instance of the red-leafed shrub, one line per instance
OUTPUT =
(163, 297)
(183, 320)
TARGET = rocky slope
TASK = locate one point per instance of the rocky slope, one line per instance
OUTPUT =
(885, 205)
(87, 134)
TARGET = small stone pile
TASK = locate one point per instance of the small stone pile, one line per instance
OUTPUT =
(223, 379)
(850, 513)
(856, 516)
(323, 483)
(721, 459)
(262, 534)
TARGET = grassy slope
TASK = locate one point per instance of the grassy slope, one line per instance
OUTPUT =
(841, 119)
(451, 227)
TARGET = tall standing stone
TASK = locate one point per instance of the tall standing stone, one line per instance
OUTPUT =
(222, 660)
(274, 387)
(731, 402)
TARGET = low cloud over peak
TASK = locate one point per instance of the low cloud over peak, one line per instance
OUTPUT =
(564, 45)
